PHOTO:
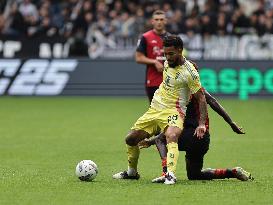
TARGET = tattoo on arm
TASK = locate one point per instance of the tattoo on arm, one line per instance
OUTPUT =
(199, 95)
(153, 140)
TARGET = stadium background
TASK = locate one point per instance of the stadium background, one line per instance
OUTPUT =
(94, 32)
(86, 48)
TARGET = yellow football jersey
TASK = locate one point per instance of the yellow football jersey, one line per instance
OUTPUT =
(177, 86)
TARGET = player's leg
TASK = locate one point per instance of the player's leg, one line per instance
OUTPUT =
(160, 144)
(195, 150)
(143, 128)
(236, 172)
(195, 171)
(132, 139)
(150, 92)
(209, 173)
(171, 121)
(172, 134)
(194, 167)
(162, 150)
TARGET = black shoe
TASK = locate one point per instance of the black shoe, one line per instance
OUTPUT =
(124, 175)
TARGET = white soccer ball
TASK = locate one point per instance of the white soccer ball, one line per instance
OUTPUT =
(86, 170)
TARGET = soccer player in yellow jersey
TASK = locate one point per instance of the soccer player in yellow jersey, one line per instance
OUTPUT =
(167, 110)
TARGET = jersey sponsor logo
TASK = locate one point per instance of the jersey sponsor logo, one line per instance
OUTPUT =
(153, 41)
(35, 77)
(160, 58)
(157, 51)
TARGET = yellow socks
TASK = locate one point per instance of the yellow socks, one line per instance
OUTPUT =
(133, 154)
(172, 156)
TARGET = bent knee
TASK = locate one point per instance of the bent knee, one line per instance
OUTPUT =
(172, 138)
(172, 134)
(195, 176)
(131, 140)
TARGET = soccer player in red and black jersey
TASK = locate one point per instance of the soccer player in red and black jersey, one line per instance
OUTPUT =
(196, 148)
(150, 52)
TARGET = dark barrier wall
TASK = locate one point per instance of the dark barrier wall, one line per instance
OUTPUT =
(108, 78)
(239, 79)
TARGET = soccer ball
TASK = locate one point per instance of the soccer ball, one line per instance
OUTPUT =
(86, 170)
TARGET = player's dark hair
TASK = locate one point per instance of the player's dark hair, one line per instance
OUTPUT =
(158, 12)
(173, 40)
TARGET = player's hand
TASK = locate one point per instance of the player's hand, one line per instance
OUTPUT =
(159, 66)
(144, 144)
(200, 131)
(236, 128)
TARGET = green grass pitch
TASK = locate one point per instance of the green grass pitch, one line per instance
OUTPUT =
(42, 140)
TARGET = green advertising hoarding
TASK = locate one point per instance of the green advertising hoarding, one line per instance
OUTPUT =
(238, 78)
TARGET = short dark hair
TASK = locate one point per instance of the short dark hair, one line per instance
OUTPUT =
(158, 12)
(172, 40)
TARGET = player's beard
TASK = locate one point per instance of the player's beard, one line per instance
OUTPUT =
(178, 61)
(173, 64)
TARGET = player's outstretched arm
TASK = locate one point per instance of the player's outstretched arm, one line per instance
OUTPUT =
(146, 143)
(217, 107)
(201, 129)
(151, 141)
(159, 141)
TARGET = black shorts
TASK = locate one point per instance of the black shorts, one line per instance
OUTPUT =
(195, 148)
(150, 92)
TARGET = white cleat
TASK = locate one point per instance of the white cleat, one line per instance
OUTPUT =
(242, 175)
(124, 175)
(160, 179)
(170, 179)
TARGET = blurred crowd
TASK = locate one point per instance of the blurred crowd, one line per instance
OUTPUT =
(121, 18)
